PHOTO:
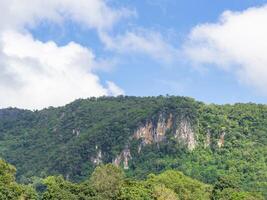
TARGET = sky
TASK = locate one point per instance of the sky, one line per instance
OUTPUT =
(55, 51)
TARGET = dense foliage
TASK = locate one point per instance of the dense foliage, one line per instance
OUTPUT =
(63, 141)
(9, 189)
(108, 182)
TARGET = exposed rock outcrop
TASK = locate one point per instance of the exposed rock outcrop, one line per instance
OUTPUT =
(145, 133)
(76, 132)
(97, 160)
(185, 134)
(124, 158)
(150, 133)
(207, 142)
(162, 126)
(221, 140)
(155, 132)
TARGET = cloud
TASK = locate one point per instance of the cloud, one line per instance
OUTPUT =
(142, 41)
(236, 43)
(35, 74)
(44, 74)
(92, 13)
(113, 89)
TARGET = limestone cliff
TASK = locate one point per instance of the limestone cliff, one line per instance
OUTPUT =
(155, 133)
(208, 139)
(97, 160)
(221, 140)
(124, 158)
(185, 134)
(146, 133)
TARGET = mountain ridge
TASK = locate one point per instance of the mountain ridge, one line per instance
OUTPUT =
(204, 141)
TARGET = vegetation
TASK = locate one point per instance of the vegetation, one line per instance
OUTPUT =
(108, 182)
(60, 145)
(9, 189)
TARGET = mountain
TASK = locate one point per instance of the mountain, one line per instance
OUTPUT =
(143, 135)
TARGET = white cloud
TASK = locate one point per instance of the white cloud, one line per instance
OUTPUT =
(113, 89)
(237, 43)
(144, 42)
(34, 74)
(92, 13)
(45, 74)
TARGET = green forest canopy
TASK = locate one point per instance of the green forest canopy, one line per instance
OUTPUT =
(62, 141)
(109, 182)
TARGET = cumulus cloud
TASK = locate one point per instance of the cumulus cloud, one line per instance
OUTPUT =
(236, 43)
(46, 74)
(34, 74)
(144, 42)
(113, 89)
(92, 13)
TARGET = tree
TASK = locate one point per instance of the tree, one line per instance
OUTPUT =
(58, 188)
(226, 188)
(233, 194)
(135, 190)
(162, 193)
(185, 187)
(9, 189)
(106, 180)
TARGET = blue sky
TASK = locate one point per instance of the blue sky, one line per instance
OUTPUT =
(169, 69)
(145, 77)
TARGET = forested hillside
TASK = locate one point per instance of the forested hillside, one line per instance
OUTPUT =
(142, 135)
(109, 182)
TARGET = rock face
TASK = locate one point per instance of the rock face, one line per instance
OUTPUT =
(97, 160)
(208, 139)
(146, 133)
(221, 140)
(124, 158)
(185, 134)
(76, 132)
(154, 133)
(150, 133)
(162, 126)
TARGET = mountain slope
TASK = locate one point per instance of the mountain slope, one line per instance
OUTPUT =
(143, 135)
